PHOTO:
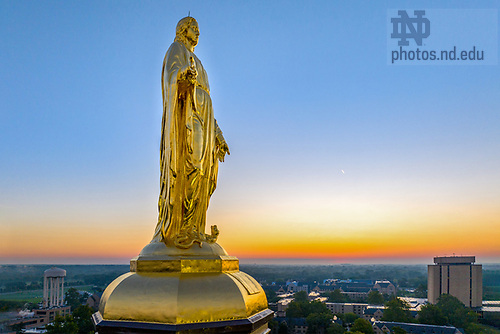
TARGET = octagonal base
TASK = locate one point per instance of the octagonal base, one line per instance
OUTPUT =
(183, 291)
(256, 324)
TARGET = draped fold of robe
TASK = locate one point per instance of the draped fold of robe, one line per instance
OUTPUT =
(188, 151)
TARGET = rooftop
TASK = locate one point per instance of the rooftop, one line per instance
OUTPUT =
(418, 328)
(454, 259)
(54, 272)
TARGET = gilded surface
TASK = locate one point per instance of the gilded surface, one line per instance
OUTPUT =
(193, 265)
(191, 144)
(170, 281)
(177, 298)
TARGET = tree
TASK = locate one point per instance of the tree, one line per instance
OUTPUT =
(450, 310)
(335, 329)
(283, 328)
(301, 296)
(273, 326)
(397, 310)
(271, 296)
(83, 318)
(18, 328)
(317, 315)
(480, 329)
(301, 309)
(398, 330)
(296, 310)
(471, 317)
(336, 296)
(449, 304)
(318, 307)
(6, 305)
(421, 291)
(15, 286)
(62, 325)
(72, 298)
(453, 309)
(432, 315)
(375, 298)
(349, 318)
(363, 326)
(318, 322)
(80, 322)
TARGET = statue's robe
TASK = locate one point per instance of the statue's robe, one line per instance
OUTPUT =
(188, 151)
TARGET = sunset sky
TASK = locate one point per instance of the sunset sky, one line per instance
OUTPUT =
(336, 155)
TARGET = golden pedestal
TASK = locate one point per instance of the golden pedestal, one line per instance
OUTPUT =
(171, 290)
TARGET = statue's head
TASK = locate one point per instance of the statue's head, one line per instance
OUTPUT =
(187, 31)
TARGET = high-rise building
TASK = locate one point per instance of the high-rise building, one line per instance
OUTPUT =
(457, 276)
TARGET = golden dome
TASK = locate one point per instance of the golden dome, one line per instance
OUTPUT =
(174, 286)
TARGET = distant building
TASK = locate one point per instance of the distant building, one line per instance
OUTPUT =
(322, 288)
(294, 325)
(273, 287)
(34, 331)
(299, 326)
(53, 287)
(52, 303)
(280, 291)
(41, 317)
(373, 313)
(93, 301)
(282, 306)
(457, 276)
(385, 287)
(415, 303)
(354, 289)
(385, 327)
(313, 295)
(355, 286)
(342, 308)
(490, 311)
(295, 286)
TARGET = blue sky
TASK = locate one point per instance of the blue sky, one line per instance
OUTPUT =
(302, 91)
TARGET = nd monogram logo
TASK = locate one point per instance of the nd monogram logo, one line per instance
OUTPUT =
(418, 26)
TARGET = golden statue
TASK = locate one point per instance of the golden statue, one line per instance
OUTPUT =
(173, 287)
(191, 144)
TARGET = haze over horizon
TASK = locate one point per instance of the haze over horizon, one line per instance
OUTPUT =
(336, 155)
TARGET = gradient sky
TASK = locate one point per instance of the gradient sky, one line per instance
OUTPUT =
(335, 154)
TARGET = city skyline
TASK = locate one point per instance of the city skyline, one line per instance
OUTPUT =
(336, 155)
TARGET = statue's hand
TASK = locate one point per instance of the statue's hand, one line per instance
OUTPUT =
(223, 150)
(192, 73)
(189, 74)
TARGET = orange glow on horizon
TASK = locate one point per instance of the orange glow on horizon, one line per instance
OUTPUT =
(377, 235)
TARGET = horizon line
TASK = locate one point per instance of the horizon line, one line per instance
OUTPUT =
(243, 261)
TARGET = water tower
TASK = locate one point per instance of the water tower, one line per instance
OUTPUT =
(53, 287)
